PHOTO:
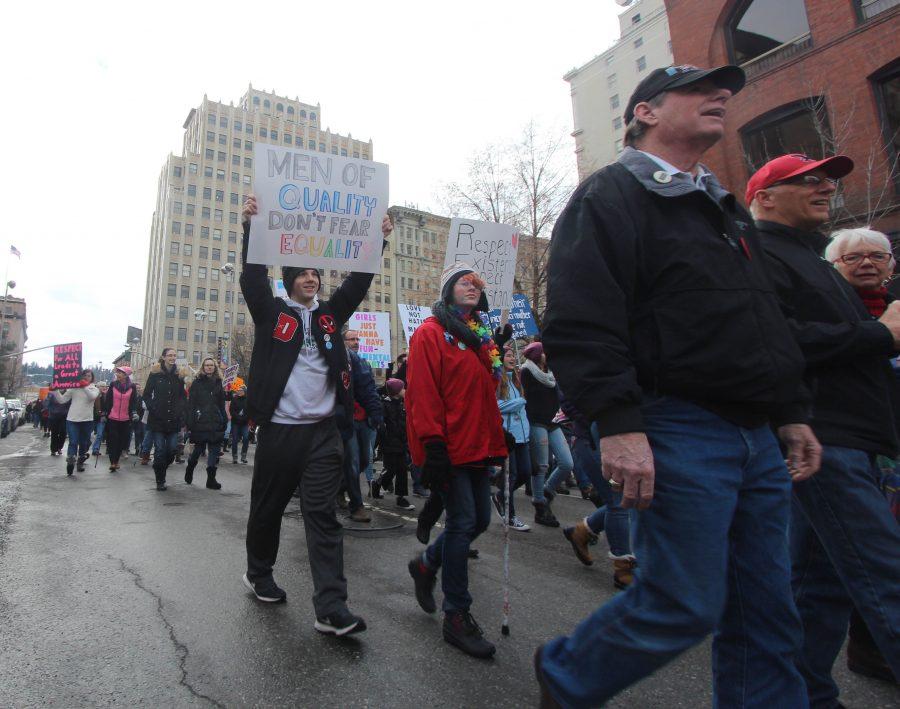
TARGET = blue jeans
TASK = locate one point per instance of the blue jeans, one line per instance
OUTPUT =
(79, 433)
(611, 517)
(714, 558)
(467, 502)
(147, 443)
(98, 438)
(845, 543)
(365, 437)
(519, 472)
(542, 442)
(239, 432)
(351, 465)
(212, 450)
(164, 445)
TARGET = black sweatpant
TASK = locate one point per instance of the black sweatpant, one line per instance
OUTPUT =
(116, 438)
(311, 456)
(395, 467)
(57, 433)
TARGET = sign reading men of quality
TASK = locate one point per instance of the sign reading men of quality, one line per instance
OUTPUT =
(490, 249)
(374, 337)
(317, 210)
(66, 365)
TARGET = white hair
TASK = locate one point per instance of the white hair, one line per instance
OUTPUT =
(844, 240)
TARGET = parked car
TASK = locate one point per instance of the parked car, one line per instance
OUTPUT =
(4, 418)
(17, 412)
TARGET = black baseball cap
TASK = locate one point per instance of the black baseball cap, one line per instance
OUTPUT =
(729, 77)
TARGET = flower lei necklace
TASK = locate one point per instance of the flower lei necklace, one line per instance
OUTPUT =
(487, 344)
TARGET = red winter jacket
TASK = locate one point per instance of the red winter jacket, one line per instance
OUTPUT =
(450, 396)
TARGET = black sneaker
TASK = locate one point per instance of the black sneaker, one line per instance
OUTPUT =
(423, 532)
(461, 630)
(341, 623)
(376, 489)
(387, 486)
(404, 504)
(265, 590)
(424, 580)
(498, 505)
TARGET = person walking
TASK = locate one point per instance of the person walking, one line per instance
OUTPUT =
(165, 399)
(99, 419)
(845, 541)
(118, 413)
(663, 327)
(394, 447)
(137, 425)
(55, 413)
(240, 423)
(206, 421)
(455, 434)
(79, 419)
(299, 373)
(515, 422)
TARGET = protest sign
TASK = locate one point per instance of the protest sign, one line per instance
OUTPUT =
(317, 210)
(520, 317)
(374, 337)
(66, 365)
(490, 249)
(411, 316)
(231, 373)
(280, 291)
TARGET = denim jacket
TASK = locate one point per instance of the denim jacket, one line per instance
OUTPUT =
(512, 408)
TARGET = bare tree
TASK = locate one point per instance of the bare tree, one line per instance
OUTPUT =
(241, 351)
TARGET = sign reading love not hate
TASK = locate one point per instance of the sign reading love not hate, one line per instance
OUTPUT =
(411, 316)
(374, 337)
(490, 249)
(317, 210)
(67, 365)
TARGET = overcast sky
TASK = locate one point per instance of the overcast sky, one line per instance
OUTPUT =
(97, 92)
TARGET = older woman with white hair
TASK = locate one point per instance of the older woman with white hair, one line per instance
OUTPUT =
(864, 258)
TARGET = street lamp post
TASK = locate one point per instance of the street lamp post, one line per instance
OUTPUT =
(228, 269)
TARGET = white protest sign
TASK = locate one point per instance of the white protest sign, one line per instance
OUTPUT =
(490, 249)
(317, 210)
(279, 288)
(411, 316)
(374, 337)
(231, 372)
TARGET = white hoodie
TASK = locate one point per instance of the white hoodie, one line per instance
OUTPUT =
(309, 394)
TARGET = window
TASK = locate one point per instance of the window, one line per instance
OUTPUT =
(201, 273)
(312, 145)
(176, 171)
(220, 194)
(223, 139)
(185, 292)
(238, 127)
(636, 18)
(205, 213)
(220, 156)
(236, 143)
(182, 312)
(196, 357)
(201, 293)
(217, 215)
(220, 174)
(302, 113)
(185, 270)
(387, 298)
(263, 133)
(198, 335)
(182, 334)
(267, 104)
(174, 247)
(639, 42)
(189, 211)
(209, 154)
(189, 229)
(387, 263)
(617, 123)
(611, 80)
(321, 147)
(887, 89)
(248, 145)
(168, 333)
(192, 168)
(614, 101)
(288, 138)
(761, 26)
(232, 237)
(207, 192)
(248, 129)
(217, 233)
(619, 146)
(180, 355)
(867, 9)
(312, 115)
(188, 249)
(204, 252)
(211, 135)
(211, 337)
(256, 100)
(226, 316)
(274, 135)
(170, 312)
(173, 269)
(234, 195)
(214, 295)
(290, 110)
(231, 257)
(248, 162)
(211, 119)
(192, 190)
(235, 159)
(217, 253)
(245, 179)
(800, 127)
(213, 316)
(241, 318)
(641, 63)
(171, 290)
(178, 207)
(214, 274)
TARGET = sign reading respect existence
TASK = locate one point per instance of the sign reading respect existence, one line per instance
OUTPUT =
(374, 337)
(411, 316)
(317, 210)
(66, 365)
(490, 249)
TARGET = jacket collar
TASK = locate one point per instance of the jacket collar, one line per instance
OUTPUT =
(814, 239)
(646, 170)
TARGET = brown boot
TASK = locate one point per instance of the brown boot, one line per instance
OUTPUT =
(361, 515)
(623, 572)
(579, 536)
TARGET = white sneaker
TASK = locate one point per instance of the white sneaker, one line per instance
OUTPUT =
(518, 525)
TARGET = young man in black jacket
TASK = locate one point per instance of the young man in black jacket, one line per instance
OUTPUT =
(845, 541)
(663, 327)
(299, 374)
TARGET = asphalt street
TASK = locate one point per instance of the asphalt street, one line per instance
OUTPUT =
(114, 594)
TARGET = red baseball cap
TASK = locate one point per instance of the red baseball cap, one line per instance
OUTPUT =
(788, 166)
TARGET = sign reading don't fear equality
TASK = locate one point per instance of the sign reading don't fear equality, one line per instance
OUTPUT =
(317, 210)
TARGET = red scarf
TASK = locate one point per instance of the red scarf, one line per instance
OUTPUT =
(875, 300)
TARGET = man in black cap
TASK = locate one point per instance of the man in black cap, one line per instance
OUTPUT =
(299, 378)
(663, 327)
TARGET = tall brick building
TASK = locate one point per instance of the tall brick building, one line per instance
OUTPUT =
(823, 76)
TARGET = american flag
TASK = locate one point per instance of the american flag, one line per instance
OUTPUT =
(15, 252)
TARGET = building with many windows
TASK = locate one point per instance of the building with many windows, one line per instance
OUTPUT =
(13, 335)
(600, 89)
(823, 77)
(192, 301)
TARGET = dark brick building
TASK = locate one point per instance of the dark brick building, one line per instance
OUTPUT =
(823, 78)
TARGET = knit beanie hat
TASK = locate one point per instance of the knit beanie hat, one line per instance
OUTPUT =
(449, 278)
(394, 386)
(533, 352)
(290, 273)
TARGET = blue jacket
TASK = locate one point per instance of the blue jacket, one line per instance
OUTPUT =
(365, 393)
(512, 408)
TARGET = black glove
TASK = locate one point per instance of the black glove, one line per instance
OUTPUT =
(436, 468)
(510, 441)
(502, 336)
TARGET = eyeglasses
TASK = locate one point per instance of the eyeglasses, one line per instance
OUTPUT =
(874, 257)
(807, 181)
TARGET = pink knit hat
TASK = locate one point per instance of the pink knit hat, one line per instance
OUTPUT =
(394, 386)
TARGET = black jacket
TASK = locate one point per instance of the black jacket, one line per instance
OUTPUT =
(541, 402)
(165, 399)
(238, 410)
(394, 438)
(662, 287)
(206, 418)
(846, 349)
(279, 336)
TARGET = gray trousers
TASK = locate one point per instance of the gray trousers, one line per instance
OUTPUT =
(309, 455)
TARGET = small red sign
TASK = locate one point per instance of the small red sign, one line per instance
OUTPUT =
(285, 327)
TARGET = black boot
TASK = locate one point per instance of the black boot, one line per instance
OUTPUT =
(189, 471)
(211, 479)
(595, 498)
(461, 630)
(80, 466)
(70, 465)
(160, 478)
(543, 515)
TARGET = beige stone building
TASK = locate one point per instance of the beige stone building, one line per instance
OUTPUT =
(601, 88)
(192, 300)
(14, 329)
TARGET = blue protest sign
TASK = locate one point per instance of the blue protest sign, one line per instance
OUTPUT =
(520, 317)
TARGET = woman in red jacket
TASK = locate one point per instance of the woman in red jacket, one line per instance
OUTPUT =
(455, 433)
